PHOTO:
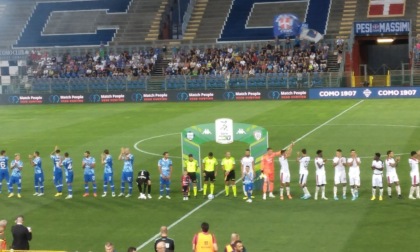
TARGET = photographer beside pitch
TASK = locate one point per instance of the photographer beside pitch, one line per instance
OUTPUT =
(21, 235)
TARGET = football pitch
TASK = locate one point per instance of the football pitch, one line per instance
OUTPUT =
(85, 224)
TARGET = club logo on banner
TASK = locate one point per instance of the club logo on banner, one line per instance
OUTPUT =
(224, 130)
(257, 135)
(190, 135)
(286, 25)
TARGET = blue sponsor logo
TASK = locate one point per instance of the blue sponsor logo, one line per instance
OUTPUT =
(182, 96)
(54, 99)
(14, 99)
(274, 95)
(95, 98)
(137, 97)
(230, 96)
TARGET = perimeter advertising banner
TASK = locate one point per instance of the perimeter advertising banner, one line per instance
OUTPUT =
(364, 93)
(173, 96)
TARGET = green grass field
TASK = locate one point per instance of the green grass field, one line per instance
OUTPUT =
(85, 224)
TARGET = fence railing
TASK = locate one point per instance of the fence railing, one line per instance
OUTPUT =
(245, 81)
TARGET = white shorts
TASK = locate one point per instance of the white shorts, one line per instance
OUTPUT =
(321, 179)
(354, 180)
(284, 177)
(377, 180)
(392, 178)
(340, 178)
(414, 178)
(302, 178)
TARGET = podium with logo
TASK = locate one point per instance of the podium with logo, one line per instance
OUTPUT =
(224, 131)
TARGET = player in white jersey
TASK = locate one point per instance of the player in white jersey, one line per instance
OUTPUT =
(340, 177)
(377, 168)
(285, 172)
(247, 160)
(391, 165)
(414, 174)
(321, 177)
(354, 173)
(303, 160)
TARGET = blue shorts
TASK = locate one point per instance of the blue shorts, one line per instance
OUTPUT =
(108, 177)
(127, 177)
(4, 174)
(38, 178)
(89, 178)
(166, 182)
(15, 180)
(69, 178)
(58, 177)
(249, 187)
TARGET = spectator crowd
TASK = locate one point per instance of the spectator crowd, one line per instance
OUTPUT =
(299, 58)
(101, 64)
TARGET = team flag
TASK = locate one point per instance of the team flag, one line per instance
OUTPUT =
(311, 35)
(386, 8)
(286, 25)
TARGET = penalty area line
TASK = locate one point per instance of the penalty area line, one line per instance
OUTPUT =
(144, 244)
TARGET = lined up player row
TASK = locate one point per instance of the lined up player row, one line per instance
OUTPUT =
(65, 163)
(339, 162)
(210, 167)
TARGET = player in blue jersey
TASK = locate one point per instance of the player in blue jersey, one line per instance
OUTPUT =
(127, 172)
(108, 172)
(36, 162)
(67, 163)
(165, 170)
(57, 171)
(15, 177)
(248, 180)
(4, 169)
(88, 165)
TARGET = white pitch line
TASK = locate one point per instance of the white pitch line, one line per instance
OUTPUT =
(150, 138)
(208, 201)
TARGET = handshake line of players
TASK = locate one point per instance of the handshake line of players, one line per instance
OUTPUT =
(340, 177)
(65, 163)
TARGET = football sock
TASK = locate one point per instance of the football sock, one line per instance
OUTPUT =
(323, 191)
(227, 189)
(195, 190)
(212, 188)
(86, 188)
(281, 191)
(373, 191)
(335, 191)
(389, 189)
(288, 190)
(398, 189)
(344, 190)
(149, 189)
(70, 189)
(381, 192)
(234, 190)
(94, 187)
(412, 189)
(205, 189)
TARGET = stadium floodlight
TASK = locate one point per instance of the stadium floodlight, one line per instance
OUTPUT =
(385, 40)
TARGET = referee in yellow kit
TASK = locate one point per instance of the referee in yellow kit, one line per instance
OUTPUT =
(210, 172)
(228, 166)
(191, 165)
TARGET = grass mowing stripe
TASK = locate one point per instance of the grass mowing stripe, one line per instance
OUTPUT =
(208, 201)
